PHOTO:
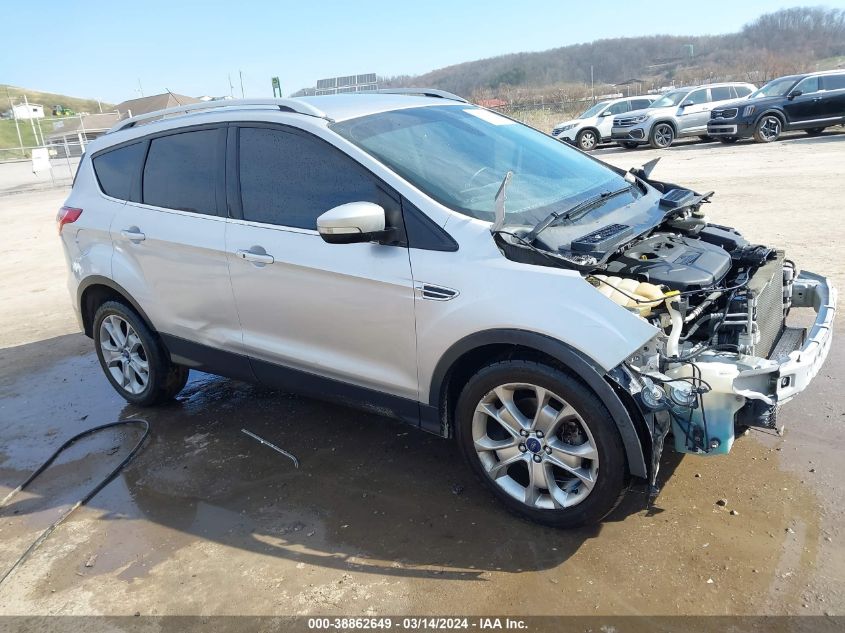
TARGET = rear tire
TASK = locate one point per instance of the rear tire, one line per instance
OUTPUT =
(133, 358)
(542, 462)
(628, 144)
(705, 138)
(662, 136)
(814, 131)
(768, 129)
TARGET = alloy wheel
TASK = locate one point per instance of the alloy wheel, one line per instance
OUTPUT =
(770, 128)
(587, 140)
(535, 446)
(663, 135)
(123, 354)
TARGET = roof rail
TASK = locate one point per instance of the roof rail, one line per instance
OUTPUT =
(423, 92)
(284, 105)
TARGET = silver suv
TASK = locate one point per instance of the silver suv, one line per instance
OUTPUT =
(436, 262)
(679, 113)
(593, 126)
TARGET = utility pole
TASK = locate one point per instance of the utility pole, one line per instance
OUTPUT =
(240, 72)
(231, 87)
(592, 86)
(140, 88)
(31, 120)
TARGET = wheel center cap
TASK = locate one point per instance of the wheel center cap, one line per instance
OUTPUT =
(533, 445)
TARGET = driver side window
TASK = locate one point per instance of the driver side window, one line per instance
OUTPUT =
(618, 108)
(808, 85)
(697, 97)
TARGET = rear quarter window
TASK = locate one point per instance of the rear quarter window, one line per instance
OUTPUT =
(742, 91)
(117, 170)
(721, 93)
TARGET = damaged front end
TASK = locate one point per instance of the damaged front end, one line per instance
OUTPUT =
(725, 357)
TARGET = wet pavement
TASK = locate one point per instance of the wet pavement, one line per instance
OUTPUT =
(382, 518)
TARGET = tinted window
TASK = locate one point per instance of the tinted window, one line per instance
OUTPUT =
(118, 170)
(290, 179)
(181, 171)
(618, 108)
(697, 96)
(833, 82)
(721, 93)
(742, 91)
(639, 104)
(808, 85)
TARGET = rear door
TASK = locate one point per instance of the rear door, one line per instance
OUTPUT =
(339, 311)
(169, 242)
(694, 116)
(833, 97)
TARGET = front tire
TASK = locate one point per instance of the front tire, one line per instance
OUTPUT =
(587, 140)
(768, 129)
(628, 144)
(536, 437)
(814, 131)
(728, 140)
(662, 136)
(132, 357)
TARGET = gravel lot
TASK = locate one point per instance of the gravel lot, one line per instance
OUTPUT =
(381, 518)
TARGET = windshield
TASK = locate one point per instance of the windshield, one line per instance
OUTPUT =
(670, 99)
(776, 88)
(591, 112)
(459, 156)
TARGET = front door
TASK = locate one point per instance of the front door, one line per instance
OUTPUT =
(806, 107)
(307, 308)
(695, 114)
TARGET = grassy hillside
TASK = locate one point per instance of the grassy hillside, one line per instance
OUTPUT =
(48, 100)
(778, 43)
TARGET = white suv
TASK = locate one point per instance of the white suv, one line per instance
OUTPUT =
(434, 261)
(594, 125)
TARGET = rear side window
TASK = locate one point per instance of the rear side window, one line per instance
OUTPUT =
(289, 179)
(742, 91)
(182, 170)
(721, 93)
(639, 104)
(118, 170)
(833, 82)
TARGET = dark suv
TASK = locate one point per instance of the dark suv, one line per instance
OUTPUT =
(809, 102)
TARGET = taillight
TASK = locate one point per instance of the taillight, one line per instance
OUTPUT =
(67, 215)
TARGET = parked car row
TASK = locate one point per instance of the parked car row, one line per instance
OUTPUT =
(725, 111)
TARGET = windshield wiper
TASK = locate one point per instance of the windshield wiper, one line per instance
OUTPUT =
(578, 211)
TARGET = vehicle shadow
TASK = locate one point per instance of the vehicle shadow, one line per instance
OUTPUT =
(370, 495)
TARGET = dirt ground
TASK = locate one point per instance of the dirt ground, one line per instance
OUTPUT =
(381, 518)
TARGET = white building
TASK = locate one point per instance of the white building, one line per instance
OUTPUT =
(28, 111)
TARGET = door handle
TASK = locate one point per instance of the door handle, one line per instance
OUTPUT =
(817, 98)
(256, 258)
(133, 234)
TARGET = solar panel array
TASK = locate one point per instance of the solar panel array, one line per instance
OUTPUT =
(349, 83)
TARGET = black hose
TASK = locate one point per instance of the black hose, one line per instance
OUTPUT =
(87, 497)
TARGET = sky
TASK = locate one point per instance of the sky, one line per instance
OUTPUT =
(113, 50)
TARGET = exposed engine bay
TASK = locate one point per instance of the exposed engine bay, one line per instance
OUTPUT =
(719, 304)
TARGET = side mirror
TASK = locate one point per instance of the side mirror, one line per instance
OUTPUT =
(794, 93)
(687, 103)
(352, 223)
(605, 113)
